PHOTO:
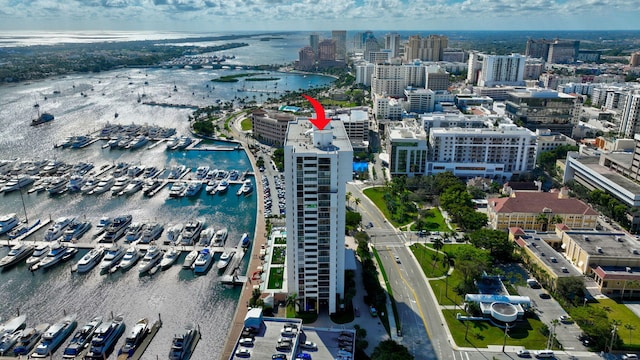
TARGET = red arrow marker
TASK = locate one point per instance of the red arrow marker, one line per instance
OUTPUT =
(320, 120)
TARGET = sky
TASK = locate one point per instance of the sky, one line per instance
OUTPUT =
(318, 15)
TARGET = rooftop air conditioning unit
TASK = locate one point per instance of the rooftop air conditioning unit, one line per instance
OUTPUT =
(634, 251)
(586, 238)
(599, 250)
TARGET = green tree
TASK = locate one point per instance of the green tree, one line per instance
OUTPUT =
(391, 350)
(495, 241)
(571, 289)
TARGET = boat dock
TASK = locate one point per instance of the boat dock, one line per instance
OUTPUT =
(42, 224)
(230, 273)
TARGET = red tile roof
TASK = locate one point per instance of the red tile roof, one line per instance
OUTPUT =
(536, 202)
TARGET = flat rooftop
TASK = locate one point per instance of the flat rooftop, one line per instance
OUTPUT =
(613, 244)
(592, 162)
(300, 135)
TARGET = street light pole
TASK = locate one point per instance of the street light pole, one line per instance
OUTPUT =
(504, 342)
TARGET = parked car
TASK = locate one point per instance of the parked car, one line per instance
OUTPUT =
(523, 353)
(309, 345)
(278, 357)
(630, 357)
(242, 352)
(373, 311)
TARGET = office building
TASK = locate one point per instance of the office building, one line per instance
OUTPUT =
(392, 43)
(544, 109)
(326, 51)
(436, 78)
(538, 48)
(430, 48)
(306, 59)
(270, 127)
(407, 149)
(319, 164)
(340, 37)
(314, 41)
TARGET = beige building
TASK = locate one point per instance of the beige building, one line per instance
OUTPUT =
(538, 210)
(270, 127)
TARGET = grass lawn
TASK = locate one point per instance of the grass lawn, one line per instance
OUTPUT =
(384, 317)
(376, 194)
(445, 292)
(278, 255)
(426, 259)
(275, 278)
(434, 221)
(281, 241)
(481, 333)
(246, 124)
(617, 311)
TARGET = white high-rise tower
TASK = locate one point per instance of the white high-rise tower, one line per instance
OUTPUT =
(318, 164)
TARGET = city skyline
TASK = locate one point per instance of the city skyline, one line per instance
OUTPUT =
(286, 15)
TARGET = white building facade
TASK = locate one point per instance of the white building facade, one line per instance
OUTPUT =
(319, 164)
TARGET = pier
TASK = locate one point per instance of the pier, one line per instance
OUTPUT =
(230, 273)
(145, 343)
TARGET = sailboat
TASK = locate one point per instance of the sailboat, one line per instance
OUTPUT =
(25, 227)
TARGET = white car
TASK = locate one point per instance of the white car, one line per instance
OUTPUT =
(309, 345)
(242, 352)
(246, 342)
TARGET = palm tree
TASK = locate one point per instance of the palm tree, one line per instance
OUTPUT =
(349, 195)
(437, 245)
(543, 220)
(630, 328)
(357, 202)
(292, 300)
(552, 333)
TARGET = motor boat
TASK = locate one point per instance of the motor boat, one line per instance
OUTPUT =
(111, 257)
(51, 167)
(211, 186)
(193, 189)
(89, 185)
(190, 259)
(150, 172)
(138, 142)
(135, 337)
(169, 258)
(54, 336)
(220, 237)
(29, 339)
(81, 338)
(81, 168)
(119, 185)
(57, 186)
(18, 253)
(103, 224)
(75, 183)
(205, 237)
(150, 259)
(105, 337)
(223, 186)
(176, 172)
(103, 186)
(177, 189)
(246, 188)
(57, 229)
(17, 183)
(75, 230)
(173, 233)
(150, 186)
(134, 186)
(134, 232)
(130, 258)
(245, 241)
(117, 228)
(151, 232)
(224, 260)
(182, 343)
(202, 171)
(7, 340)
(191, 232)
(90, 260)
(38, 253)
(8, 222)
(54, 256)
(203, 261)
(69, 253)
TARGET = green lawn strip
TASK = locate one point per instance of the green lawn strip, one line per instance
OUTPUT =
(246, 124)
(525, 333)
(276, 275)
(281, 240)
(390, 292)
(445, 293)
(617, 311)
(434, 221)
(426, 259)
(278, 255)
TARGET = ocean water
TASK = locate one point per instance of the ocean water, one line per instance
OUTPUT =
(176, 295)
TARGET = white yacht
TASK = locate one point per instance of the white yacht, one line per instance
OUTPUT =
(130, 258)
(75, 183)
(205, 236)
(38, 253)
(193, 189)
(220, 237)
(169, 258)
(202, 171)
(134, 186)
(103, 186)
(225, 258)
(246, 188)
(223, 186)
(103, 224)
(54, 256)
(57, 229)
(191, 232)
(203, 261)
(119, 185)
(8, 222)
(138, 142)
(190, 259)
(134, 232)
(173, 233)
(90, 260)
(151, 232)
(177, 189)
(75, 230)
(117, 228)
(18, 253)
(150, 259)
(88, 185)
(211, 186)
(54, 336)
(57, 186)
(111, 257)
(17, 183)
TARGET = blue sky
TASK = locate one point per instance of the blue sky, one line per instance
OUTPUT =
(274, 15)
